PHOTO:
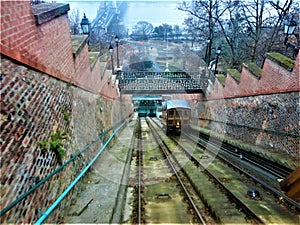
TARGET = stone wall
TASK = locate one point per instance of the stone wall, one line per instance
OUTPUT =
(268, 121)
(258, 106)
(35, 106)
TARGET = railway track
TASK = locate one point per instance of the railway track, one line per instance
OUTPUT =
(277, 170)
(166, 181)
(228, 197)
(175, 166)
(266, 165)
(269, 197)
(160, 195)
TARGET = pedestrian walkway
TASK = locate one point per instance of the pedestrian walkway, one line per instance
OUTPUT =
(96, 203)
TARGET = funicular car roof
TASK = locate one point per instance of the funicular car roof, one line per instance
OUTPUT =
(171, 104)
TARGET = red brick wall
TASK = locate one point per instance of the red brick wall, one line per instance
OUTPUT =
(82, 67)
(46, 47)
(260, 111)
(277, 79)
(274, 79)
(34, 105)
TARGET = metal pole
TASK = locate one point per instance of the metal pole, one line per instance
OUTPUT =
(206, 52)
(216, 64)
(118, 63)
(112, 64)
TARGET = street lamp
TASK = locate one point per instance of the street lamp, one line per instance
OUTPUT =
(117, 43)
(218, 52)
(111, 50)
(85, 25)
(206, 52)
(289, 28)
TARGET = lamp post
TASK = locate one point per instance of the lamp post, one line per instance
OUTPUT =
(206, 52)
(218, 52)
(117, 44)
(289, 28)
(111, 49)
(85, 25)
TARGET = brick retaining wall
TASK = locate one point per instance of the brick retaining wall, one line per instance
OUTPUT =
(33, 106)
(273, 78)
(268, 121)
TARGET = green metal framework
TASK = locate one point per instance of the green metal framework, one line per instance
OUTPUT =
(162, 82)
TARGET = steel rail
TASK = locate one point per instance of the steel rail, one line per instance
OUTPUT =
(265, 185)
(164, 149)
(231, 195)
(238, 202)
(140, 172)
(280, 171)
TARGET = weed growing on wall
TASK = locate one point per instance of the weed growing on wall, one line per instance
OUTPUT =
(55, 144)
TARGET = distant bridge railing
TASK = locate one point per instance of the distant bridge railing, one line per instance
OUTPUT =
(162, 82)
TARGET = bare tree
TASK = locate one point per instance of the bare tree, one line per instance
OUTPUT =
(74, 18)
(232, 25)
(264, 24)
(282, 11)
(245, 29)
(142, 29)
(202, 19)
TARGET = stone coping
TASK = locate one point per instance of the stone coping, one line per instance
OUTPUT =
(254, 69)
(94, 56)
(282, 60)
(235, 74)
(45, 12)
(78, 42)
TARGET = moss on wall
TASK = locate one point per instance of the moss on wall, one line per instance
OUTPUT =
(221, 78)
(282, 60)
(235, 74)
(253, 68)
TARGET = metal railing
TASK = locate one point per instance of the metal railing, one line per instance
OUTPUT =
(59, 169)
(163, 82)
(75, 181)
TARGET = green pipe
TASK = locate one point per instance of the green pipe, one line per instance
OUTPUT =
(68, 189)
(21, 197)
